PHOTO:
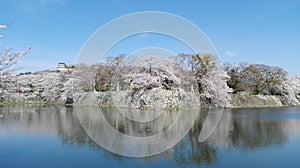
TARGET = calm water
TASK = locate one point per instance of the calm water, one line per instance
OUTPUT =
(55, 137)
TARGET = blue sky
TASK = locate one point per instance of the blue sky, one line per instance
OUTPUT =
(253, 31)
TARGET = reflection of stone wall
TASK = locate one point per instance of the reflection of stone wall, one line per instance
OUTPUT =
(54, 120)
(254, 128)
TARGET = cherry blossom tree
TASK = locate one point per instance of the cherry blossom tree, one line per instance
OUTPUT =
(8, 58)
(152, 72)
(291, 91)
(211, 80)
(84, 78)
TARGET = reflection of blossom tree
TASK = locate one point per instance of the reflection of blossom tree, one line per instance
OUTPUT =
(196, 153)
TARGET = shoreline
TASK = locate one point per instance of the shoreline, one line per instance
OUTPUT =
(113, 106)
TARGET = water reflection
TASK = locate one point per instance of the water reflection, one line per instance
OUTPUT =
(255, 128)
(239, 129)
(48, 120)
(165, 131)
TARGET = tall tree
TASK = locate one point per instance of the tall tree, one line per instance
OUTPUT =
(235, 72)
(149, 72)
(204, 65)
(211, 80)
(84, 78)
(260, 78)
(255, 78)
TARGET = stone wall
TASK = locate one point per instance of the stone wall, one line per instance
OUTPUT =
(259, 101)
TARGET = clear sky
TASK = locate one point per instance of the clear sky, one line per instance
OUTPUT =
(254, 31)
